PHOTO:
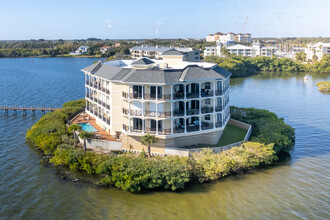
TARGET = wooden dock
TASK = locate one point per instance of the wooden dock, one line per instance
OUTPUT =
(25, 109)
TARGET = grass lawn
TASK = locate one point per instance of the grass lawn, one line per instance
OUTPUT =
(231, 134)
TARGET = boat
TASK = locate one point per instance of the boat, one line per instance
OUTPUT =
(306, 78)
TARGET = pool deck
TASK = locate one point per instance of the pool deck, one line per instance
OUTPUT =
(100, 133)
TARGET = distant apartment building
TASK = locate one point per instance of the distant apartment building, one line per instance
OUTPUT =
(318, 49)
(156, 52)
(81, 50)
(229, 37)
(238, 49)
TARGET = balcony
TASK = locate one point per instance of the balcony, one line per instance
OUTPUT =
(218, 108)
(192, 128)
(157, 97)
(178, 95)
(192, 95)
(193, 112)
(178, 112)
(178, 130)
(218, 124)
(165, 132)
(207, 109)
(136, 113)
(218, 92)
(207, 125)
(207, 93)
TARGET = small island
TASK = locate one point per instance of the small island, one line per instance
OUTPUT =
(324, 86)
(136, 172)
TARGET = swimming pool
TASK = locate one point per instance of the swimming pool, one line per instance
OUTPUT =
(87, 127)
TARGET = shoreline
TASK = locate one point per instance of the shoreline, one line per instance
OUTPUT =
(135, 172)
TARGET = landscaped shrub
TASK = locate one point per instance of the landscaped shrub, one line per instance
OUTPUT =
(210, 166)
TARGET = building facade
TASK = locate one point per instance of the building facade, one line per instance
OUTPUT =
(156, 52)
(229, 37)
(239, 49)
(318, 49)
(182, 103)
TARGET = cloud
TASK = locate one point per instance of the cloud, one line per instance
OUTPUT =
(65, 22)
(159, 23)
(108, 22)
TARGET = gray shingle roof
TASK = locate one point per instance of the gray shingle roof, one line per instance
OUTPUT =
(143, 61)
(162, 76)
(151, 48)
(173, 52)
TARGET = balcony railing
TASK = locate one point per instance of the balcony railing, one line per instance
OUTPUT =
(192, 127)
(136, 112)
(150, 130)
(218, 124)
(164, 114)
(178, 112)
(218, 108)
(165, 131)
(207, 109)
(192, 112)
(207, 93)
(192, 95)
(207, 125)
(178, 95)
(218, 92)
(178, 130)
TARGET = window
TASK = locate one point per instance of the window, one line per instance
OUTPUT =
(207, 101)
(207, 117)
(207, 85)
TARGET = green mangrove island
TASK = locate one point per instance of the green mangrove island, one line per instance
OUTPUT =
(136, 172)
(324, 86)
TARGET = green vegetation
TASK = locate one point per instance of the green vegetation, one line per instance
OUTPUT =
(85, 135)
(241, 66)
(300, 56)
(324, 86)
(267, 127)
(232, 134)
(134, 173)
(51, 131)
(147, 140)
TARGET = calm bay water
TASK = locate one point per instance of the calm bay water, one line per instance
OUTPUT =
(297, 188)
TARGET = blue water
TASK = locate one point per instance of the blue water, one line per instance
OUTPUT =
(87, 127)
(298, 188)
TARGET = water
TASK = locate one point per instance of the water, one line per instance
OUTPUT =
(87, 127)
(297, 188)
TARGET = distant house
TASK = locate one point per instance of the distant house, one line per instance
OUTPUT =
(238, 49)
(156, 52)
(117, 45)
(104, 49)
(229, 37)
(81, 50)
(318, 49)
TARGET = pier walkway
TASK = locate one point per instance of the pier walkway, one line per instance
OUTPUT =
(25, 109)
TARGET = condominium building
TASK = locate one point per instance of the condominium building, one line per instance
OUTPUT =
(229, 37)
(318, 49)
(182, 103)
(156, 52)
(239, 49)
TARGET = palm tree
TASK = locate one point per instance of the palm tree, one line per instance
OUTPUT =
(73, 128)
(85, 135)
(148, 140)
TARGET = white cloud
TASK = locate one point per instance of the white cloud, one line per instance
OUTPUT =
(109, 26)
(108, 21)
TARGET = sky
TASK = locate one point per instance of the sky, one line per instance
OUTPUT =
(126, 19)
